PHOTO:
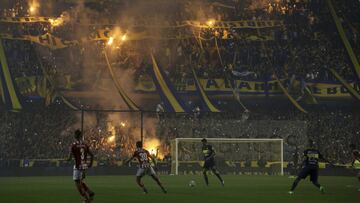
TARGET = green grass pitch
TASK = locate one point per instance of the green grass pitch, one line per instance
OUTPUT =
(245, 189)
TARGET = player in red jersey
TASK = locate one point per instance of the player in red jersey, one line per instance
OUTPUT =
(143, 156)
(80, 152)
(356, 157)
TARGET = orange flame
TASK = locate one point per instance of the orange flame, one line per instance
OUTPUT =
(34, 7)
(153, 146)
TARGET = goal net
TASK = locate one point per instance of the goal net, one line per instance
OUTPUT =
(233, 156)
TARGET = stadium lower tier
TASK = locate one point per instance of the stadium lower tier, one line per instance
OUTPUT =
(61, 168)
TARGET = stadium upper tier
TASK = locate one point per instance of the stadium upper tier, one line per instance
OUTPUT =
(304, 51)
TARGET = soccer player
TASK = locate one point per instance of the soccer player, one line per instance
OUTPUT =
(310, 168)
(209, 158)
(80, 152)
(143, 156)
(356, 157)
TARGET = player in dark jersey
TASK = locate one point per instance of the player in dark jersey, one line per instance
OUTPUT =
(80, 152)
(143, 156)
(356, 157)
(310, 168)
(209, 164)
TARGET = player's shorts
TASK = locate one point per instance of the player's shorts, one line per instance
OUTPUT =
(78, 174)
(145, 171)
(313, 172)
(210, 164)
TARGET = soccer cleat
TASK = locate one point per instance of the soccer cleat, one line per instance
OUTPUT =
(322, 189)
(291, 192)
(164, 190)
(223, 183)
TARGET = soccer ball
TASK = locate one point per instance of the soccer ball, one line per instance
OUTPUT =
(192, 183)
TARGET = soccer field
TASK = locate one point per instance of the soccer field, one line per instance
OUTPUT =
(123, 189)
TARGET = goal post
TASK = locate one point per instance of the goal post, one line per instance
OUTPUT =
(233, 155)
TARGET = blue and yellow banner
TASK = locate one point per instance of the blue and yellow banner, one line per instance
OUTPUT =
(207, 104)
(48, 93)
(54, 42)
(169, 97)
(291, 99)
(255, 88)
(350, 89)
(5, 96)
(8, 85)
(131, 105)
(344, 39)
(36, 85)
(150, 23)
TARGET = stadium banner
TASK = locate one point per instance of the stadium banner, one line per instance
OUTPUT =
(236, 93)
(292, 100)
(51, 93)
(131, 105)
(25, 19)
(260, 88)
(169, 97)
(40, 85)
(351, 90)
(36, 86)
(47, 40)
(5, 96)
(309, 97)
(2, 91)
(9, 87)
(240, 24)
(207, 104)
(344, 39)
(54, 42)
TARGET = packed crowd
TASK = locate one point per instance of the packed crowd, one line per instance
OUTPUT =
(112, 135)
(303, 47)
(332, 131)
(346, 10)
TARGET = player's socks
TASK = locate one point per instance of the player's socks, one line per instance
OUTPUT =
(91, 195)
(163, 189)
(206, 179)
(157, 180)
(145, 190)
(86, 188)
(84, 194)
(219, 177)
(138, 181)
(87, 193)
(296, 182)
(317, 185)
